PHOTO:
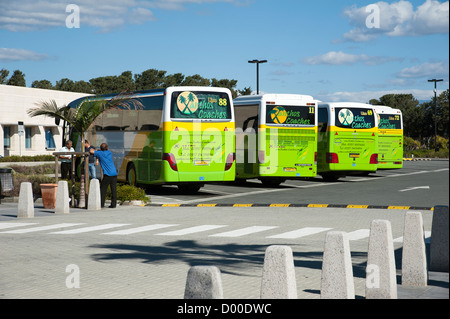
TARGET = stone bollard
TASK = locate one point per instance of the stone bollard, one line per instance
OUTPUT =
(203, 282)
(439, 240)
(94, 199)
(381, 281)
(278, 278)
(414, 260)
(62, 198)
(337, 272)
(26, 204)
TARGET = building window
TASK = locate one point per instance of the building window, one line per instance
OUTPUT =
(49, 140)
(6, 136)
(28, 137)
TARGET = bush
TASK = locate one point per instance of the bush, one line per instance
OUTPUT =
(35, 181)
(36, 158)
(127, 192)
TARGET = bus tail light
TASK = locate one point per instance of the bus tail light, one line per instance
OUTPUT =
(374, 159)
(397, 163)
(230, 159)
(332, 158)
(171, 160)
(315, 158)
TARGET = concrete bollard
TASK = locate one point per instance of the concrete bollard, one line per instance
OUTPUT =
(414, 260)
(381, 281)
(278, 278)
(62, 198)
(439, 240)
(26, 204)
(94, 199)
(203, 282)
(337, 272)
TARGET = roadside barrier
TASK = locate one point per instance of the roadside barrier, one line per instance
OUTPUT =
(26, 204)
(62, 198)
(337, 272)
(414, 260)
(94, 199)
(203, 282)
(381, 280)
(439, 240)
(278, 277)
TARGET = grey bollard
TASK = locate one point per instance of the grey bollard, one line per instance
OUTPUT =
(337, 272)
(278, 278)
(94, 199)
(26, 204)
(62, 198)
(439, 240)
(414, 260)
(203, 282)
(381, 281)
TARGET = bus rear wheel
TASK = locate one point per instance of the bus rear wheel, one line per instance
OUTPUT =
(131, 175)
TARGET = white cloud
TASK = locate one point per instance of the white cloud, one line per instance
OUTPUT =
(340, 58)
(398, 19)
(437, 69)
(12, 55)
(366, 96)
(31, 15)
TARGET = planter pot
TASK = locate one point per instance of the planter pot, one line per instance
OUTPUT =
(48, 192)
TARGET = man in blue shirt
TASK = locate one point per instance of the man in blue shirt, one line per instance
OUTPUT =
(109, 174)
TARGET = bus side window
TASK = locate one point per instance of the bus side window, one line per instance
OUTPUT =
(323, 119)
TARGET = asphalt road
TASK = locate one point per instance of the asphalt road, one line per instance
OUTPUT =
(418, 184)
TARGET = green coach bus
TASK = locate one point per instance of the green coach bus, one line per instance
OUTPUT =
(348, 140)
(276, 137)
(390, 137)
(181, 136)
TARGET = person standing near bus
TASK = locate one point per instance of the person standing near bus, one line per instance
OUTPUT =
(92, 160)
(66, 161)
(109, 174)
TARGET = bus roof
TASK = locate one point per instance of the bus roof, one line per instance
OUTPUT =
(386, 109)
(286, 98)
(346, 104)
(144, 93)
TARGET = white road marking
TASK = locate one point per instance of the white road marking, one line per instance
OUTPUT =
(302, 232)
(139, 229)
(358, 234)
(12, 225)
(40, 228)
(88, 229)
(244, 231)
(191, 230)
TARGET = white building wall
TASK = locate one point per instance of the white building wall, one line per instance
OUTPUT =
(15, 101)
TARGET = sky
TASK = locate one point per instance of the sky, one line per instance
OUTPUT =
(334, 50)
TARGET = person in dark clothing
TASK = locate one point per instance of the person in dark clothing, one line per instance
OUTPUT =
(109, 174)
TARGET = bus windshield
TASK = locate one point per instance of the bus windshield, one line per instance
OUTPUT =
(290, 114)
(354, 118)
(200, 105)
(389, 121)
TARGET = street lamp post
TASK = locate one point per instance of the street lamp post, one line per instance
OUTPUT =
(257, 72)
(435, 111)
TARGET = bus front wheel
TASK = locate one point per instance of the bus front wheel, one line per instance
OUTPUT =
(131, 175)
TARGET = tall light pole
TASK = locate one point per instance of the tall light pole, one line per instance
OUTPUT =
(435, 111)
(257, 72)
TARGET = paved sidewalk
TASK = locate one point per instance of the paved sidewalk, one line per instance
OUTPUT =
(438, 286)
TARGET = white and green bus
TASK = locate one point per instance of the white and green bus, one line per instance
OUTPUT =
(182, 136)
(348, 140)
(276, 137)
(390, 137)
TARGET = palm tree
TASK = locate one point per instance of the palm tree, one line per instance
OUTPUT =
(82, 117)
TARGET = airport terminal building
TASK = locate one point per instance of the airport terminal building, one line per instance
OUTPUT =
(23, 135)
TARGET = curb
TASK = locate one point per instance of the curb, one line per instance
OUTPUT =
(297, 205)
